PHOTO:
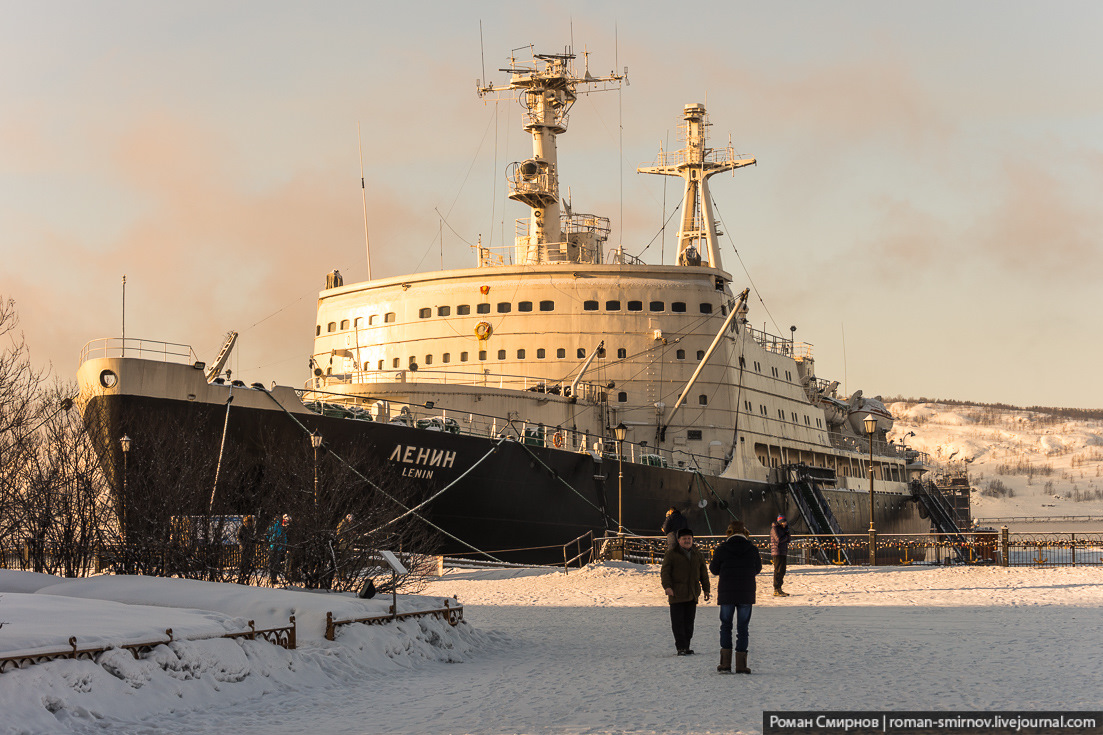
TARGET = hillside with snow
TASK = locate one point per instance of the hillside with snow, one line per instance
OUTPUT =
(1020, 462)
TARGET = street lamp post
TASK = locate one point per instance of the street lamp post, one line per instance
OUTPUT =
(124, 442)
(620, 431)
(870, 423)
(316, 442)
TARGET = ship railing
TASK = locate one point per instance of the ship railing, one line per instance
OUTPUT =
(681, 157)
(145, 349)
(483, 378)
(881, 448)
(974, 547)
(780, 345)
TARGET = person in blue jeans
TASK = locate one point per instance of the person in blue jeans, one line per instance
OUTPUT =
(737, 563)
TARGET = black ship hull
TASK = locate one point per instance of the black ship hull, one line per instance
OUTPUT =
(512, 499)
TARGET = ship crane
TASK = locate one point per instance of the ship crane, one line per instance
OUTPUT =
(696, 163)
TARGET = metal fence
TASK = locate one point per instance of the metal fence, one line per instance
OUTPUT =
(998, 548)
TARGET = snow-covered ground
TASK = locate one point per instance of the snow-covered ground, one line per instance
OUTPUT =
(1052, 465)
(544, 652)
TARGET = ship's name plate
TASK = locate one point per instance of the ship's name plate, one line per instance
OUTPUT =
(424, 456)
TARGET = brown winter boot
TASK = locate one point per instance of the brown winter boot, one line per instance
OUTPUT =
(725, 666)
(741, 663)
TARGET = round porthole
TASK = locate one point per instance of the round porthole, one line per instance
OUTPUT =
(108, 379)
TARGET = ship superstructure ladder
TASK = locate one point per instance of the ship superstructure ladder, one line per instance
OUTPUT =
(223, 356)
(804, 483)
(930, 498)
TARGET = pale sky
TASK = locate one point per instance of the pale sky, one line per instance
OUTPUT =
(925, 209)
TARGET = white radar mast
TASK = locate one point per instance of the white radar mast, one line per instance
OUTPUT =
(548, 87)
(696, 163)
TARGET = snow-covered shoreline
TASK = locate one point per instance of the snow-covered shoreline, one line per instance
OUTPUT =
(544, 652)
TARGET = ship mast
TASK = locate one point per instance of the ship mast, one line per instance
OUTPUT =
(696, 163)
(547, 89)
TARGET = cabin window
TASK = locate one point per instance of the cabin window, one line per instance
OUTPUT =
(463, 357)
(358, 322)
(344, 324)
(482, 354)
(561, 353)
(635, 306)
(819, 424)
(501, 354)
(524, 306)
(622, 397)
(540, 354)
(693, 435)
(589, 305)
(463, 309)
(428, 359)
(612, 306)
(622, 353)
(425, 313)
(706, 308)
(601, 352)
(762, 410)
(781, 414)
(371, 319)
(366, 366)
(581, 352)
(446, 357)
(680, 354)
(703, 399)
(794, 415)
(380, 364)
(319, 330)
(678, 307)
(482, 308)
(504, 307)
(520, 354)
(700, 354)
(396, 362)
(331, 327)
(444, 310)
(657, 306)
(747, 405)
(389, 317)
(547, 306)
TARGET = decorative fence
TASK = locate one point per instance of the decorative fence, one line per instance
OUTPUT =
(281, 636)
(452, 614)
(1000, 548)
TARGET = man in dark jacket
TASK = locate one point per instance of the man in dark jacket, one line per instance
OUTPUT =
(684, 576)
(673, 523)
(779, 551)
(737, 563)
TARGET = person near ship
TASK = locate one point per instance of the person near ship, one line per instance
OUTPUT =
(736, 562)
(779, 552)
(684, 577)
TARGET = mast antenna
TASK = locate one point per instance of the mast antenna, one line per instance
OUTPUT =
(482, 50)
(364, 196)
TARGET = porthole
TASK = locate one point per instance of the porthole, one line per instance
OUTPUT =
(108, 379)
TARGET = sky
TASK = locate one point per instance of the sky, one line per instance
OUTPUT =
(925, 208)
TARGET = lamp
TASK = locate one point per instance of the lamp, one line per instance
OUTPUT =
(124, 443)
(870, 424)
(619, 432)
(316, 442)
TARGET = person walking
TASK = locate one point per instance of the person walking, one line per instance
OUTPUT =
(779, 552)
(246, 544)
(673, 523)
(277, 547)
(736, 562)
(684, 576)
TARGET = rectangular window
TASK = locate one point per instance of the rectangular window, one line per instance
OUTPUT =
(747, 405)
(678, 307)
(389, 317)
(700, 354)
(622, 353)
(656, 306)
(446, 357)
(694, 435)
(581, 352)
(635, 306)
(482, 308)
(463, 357)
(622, 397)
(463, 309)
(396, 362)
(589, 305)
(561, 353)
(540, 354)
(524, 306)
(547, 306)
(344, 324)
(706, 308)
(424, 313)
(358, 321)
(428, 359)
(612, 306)
(482, 354)
(331, 327)
(319, 331)
(504, 307)
(703, 399)
(444, 310)
(520, 354)
(380, 364)
(680, 354)
(501, 354)
(371, 320)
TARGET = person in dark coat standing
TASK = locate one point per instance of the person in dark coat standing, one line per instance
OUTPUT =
(277, 547)
(779, 553)
(736, 562)
(684, 576)
(673, 523)
(246, 543)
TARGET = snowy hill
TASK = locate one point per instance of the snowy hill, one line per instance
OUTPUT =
(1022, 462)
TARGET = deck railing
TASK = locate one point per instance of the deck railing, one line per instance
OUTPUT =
(146, 349)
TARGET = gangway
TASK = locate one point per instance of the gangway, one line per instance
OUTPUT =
(930, 498)
(804, 482)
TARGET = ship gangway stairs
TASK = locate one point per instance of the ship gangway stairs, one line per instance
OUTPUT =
(930, 499)
(804, 483)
